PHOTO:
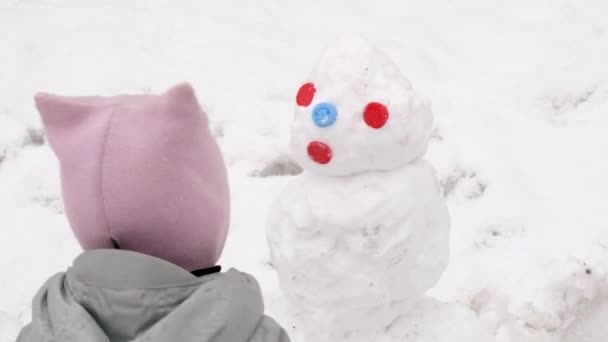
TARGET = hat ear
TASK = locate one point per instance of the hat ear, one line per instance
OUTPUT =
(66, 118)
(55, 109)
(181, 99)
(182, 94)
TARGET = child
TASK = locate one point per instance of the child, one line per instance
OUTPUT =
(146, 194)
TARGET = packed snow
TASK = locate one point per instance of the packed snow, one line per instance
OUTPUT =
(519, 93)
(353, 254)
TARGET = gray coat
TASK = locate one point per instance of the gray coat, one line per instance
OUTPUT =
(120, 296)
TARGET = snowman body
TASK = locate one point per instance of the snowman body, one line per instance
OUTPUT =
(354, 253)
(363, 233)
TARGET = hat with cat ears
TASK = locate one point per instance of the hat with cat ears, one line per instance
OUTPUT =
(141, 172)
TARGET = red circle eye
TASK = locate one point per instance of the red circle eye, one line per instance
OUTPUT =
(305, 94)
(375, 115)
(319, 152)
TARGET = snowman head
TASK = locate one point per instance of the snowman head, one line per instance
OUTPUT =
(358, 113)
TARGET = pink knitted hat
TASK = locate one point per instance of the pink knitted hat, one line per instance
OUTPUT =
(141, 172)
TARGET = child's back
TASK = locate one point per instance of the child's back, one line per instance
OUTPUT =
(146, 194)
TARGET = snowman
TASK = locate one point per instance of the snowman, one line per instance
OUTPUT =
(360, 236)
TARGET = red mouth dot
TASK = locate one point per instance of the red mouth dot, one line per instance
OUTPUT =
(305, 94)
(319, 152)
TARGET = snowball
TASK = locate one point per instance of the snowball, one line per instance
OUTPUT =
(353, 76)
(354, 253)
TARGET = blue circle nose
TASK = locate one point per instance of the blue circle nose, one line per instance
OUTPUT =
(324, 114)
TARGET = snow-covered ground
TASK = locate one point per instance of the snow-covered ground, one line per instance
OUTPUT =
(520, 96)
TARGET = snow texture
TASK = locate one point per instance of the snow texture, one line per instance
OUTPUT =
(355, 253)
(520, 102)
(350, 74)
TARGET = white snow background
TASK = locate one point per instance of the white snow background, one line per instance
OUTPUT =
(520, 96)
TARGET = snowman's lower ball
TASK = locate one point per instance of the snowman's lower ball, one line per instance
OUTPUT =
(353, 253)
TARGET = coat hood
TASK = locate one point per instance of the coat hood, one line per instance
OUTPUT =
(116, 296)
